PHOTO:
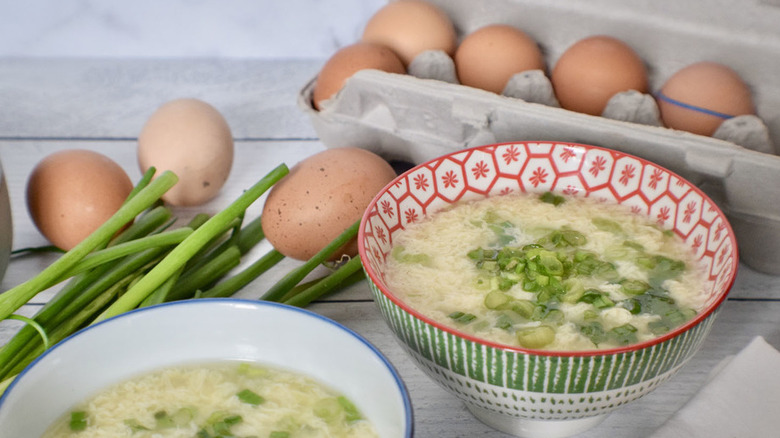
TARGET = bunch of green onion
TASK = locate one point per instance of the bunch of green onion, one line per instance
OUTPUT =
(121, 267)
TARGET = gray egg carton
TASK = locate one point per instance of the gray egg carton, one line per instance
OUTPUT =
(415, 119)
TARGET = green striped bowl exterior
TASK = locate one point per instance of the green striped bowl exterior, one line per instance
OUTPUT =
(538, 387)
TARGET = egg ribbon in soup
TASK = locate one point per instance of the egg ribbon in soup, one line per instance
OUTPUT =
(547, 272)
(216, 400)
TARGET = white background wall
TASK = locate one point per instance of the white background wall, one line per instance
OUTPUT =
(299, 28)
(181, 28)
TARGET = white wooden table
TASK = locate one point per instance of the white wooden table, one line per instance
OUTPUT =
(49, 104)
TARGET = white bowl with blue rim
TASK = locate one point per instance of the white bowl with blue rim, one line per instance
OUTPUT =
(204, 331)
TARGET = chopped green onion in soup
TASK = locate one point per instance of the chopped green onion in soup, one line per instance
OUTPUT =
(216, 401)
(548, 271)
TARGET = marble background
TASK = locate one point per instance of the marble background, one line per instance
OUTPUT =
(299, 28)
(181, 28)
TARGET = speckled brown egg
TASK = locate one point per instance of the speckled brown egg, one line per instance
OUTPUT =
(488, 57)
(590, 72)
(349, 60)
(701, 96)
(322, 196)
(410, 27)
(193, 140)
(73, 192)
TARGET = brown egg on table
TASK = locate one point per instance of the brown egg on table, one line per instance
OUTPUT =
(593, 70)
(322, 196)
(193, 140)
(699, 97)
(410, 27)
(73, 192)
(488, 57)
(349, 60)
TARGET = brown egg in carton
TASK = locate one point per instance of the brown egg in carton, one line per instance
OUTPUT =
(426, 113)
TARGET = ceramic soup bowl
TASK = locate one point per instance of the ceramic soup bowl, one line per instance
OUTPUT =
(206, 331)
(537, 393)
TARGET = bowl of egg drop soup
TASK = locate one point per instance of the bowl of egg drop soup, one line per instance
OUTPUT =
(547, 284)
(210, 367)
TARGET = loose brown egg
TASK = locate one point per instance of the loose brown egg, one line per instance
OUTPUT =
(321, 197)
(700, 97)
(593, 70)
(410, 27)
(192, 139)
(488, 57)
(349, 60)
(73, 192)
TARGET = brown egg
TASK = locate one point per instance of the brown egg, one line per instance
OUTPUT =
(593, 70)
(488, 57)
(349, 60)
(190, 138)
(410, 27)
(321, 197)
(73, 192)
(700, 97)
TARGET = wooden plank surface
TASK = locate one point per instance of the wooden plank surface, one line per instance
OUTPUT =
(48, 105)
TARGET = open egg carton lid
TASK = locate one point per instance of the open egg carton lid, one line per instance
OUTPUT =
(403, 117)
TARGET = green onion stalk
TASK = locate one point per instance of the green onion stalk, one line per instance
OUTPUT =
(345, 275)
(278, 290)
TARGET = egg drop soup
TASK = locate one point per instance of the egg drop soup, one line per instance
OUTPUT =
(216, 400)
(546, 272)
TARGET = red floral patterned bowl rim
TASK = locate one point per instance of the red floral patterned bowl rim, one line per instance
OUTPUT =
(707, 312)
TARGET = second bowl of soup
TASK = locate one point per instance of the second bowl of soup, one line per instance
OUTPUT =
(210, 368)
(547, 284)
